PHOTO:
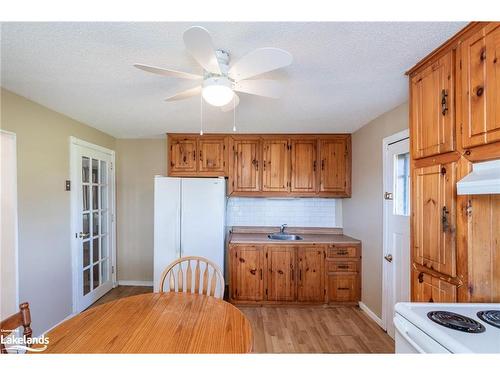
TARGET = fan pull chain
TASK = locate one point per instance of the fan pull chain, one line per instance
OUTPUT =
(234, 114)
(201, 114)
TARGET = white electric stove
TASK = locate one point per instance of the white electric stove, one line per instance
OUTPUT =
(447, 327)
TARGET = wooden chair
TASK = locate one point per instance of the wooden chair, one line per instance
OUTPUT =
(21, 318)
(212, 275)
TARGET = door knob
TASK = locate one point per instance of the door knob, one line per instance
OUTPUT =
(388, 258)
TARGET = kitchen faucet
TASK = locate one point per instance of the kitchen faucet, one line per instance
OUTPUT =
(283, 227)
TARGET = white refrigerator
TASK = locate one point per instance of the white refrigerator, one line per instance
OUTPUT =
(189, 219)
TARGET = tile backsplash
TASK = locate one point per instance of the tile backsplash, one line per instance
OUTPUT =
(297, 212)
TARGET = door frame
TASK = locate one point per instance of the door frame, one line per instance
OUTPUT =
(16, 217)
(399, 136)
(74, 173)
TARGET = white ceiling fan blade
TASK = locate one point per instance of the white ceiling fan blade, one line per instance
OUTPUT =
(261, 87)
(232, 104)
(199, 44)
(260, 61)
(184, 94)
(167, 72)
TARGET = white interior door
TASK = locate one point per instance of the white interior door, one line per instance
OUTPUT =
(93, 229)
(396, 261)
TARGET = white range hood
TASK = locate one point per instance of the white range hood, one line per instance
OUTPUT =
(484, 179)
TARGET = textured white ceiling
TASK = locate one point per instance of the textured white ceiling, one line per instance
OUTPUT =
(343, 74)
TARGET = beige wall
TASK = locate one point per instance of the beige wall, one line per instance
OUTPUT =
(138, 161)
(363, 211)
(43, 204)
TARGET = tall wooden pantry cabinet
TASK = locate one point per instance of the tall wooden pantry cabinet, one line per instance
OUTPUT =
(454, 122)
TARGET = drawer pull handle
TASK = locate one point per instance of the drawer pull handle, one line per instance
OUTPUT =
(343, 288)
(343, 266)
(342, 252)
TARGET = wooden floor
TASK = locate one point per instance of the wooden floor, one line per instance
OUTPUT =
(316, 329)
(292, 329)
(122, 291)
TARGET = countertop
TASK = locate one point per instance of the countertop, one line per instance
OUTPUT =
(308, 238)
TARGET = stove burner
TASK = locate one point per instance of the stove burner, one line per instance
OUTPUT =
(456, 321)
(491, 317)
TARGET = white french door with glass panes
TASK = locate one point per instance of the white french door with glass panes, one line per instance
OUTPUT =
(93, 222)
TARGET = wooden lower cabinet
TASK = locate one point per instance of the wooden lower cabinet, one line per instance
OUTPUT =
(428, 288)
(294, 274)
(343, 287)
(281, 279)
(247, 273)
(310, 264)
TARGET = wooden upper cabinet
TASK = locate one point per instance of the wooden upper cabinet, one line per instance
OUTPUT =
(281, 278)
(275, 165)
(266, 165)
(182, 155)
(432, 108)
(335, 165)
(303, 155)
(428, 288)
(247, 273)
(480, 83)
(311, 283)
(434, 217)
(211, 155)
(247, 166)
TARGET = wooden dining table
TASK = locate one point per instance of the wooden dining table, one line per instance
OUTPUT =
(155, 323)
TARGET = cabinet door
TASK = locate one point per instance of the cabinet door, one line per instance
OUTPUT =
(480, 58)
(182, 154)
(247, 172)
(310, 266)
(483, 248)
(304, 165)
(247, 268)
(428, 288)
(343, 288)
(211, 155)
(280, 273)
(434, 217)
(275, 165)
(335, 172)
(432, 108)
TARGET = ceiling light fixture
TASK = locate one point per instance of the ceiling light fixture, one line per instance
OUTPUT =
(217, 91)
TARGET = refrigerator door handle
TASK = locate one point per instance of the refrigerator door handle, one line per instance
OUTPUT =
(179, 224)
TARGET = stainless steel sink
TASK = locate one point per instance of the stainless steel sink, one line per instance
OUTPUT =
(284, 237)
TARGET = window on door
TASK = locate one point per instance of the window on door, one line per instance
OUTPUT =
(95, 223)
(402, 184)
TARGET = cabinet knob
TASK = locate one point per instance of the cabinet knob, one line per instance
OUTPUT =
(479, 91)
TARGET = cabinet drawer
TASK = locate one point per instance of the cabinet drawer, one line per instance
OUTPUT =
(343, 288)
(341, 252)
(341, 266)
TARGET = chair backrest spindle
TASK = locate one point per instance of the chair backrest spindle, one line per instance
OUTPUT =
(211, 284)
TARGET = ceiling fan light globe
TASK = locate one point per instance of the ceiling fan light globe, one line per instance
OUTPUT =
(217, 91)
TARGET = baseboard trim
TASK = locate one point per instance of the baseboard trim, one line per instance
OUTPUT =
(55, 325)
(135, 283)
(371, 314)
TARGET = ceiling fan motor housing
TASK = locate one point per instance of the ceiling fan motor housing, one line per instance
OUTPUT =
(223, 59)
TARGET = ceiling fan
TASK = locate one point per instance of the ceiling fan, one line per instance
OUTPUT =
(220, 80)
